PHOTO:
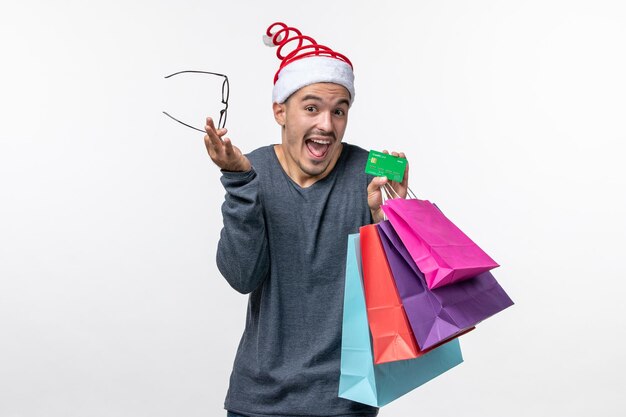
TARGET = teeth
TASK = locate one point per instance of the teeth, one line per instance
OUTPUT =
(321, 142)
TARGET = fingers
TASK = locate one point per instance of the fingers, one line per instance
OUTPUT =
(228, 148)
(210, 128)
(375, 184)
(400, 187)
(213, 140)
(405, 180)
(396, 154)
(214, 134)
(213, 137)
(222, 151)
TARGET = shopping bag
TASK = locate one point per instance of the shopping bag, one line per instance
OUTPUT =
(441, 313)
(392, 337)
(360, 379)
(440, 249)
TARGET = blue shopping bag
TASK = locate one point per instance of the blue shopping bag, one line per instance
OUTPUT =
(363, 381)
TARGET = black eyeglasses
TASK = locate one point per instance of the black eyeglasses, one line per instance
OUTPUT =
(225, 91)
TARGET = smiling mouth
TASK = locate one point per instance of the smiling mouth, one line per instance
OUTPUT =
(318, 147)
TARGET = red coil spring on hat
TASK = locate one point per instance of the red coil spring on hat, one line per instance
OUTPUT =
(286, 35)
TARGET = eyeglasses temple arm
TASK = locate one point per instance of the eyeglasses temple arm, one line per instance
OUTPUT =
(182, 123)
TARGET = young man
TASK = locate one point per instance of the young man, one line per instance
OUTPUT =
(288, 211)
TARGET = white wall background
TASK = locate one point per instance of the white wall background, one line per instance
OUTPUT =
(511, 113)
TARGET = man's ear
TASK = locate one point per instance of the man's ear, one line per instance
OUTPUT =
(279, 113)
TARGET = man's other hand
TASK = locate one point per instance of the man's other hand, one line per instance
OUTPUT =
(221, 150)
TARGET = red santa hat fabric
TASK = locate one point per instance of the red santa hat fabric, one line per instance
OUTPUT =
(307, 62)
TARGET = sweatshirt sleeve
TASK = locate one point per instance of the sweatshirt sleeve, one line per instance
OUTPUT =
(242, 251)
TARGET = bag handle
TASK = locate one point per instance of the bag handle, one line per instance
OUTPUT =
(389, 191)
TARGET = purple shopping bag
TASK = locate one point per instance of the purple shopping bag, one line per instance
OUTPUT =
(441, 313)
(440, 249)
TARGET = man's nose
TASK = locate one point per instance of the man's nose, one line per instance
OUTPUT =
(325, 121)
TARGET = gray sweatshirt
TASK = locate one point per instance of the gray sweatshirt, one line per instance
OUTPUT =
(286, 246)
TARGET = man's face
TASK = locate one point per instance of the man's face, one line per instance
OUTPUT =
(314, 120)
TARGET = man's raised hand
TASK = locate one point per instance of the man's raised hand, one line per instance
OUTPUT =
(221, 150)
(374, 192)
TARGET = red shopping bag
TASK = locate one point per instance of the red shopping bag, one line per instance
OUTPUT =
(440, 249)
(392, 338)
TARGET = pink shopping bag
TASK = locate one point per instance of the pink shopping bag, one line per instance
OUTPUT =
(441, 250)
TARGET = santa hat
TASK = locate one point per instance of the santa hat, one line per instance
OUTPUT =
(306, 63)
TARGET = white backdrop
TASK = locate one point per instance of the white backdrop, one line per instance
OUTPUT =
(511, 114)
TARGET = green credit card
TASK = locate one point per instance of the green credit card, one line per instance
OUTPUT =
(385, 165)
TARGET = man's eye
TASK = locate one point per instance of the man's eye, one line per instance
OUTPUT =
(339, 112)
(310, 108)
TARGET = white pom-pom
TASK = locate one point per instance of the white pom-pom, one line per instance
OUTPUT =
(267, 40)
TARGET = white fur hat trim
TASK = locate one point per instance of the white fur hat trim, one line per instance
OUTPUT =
(311, 70)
